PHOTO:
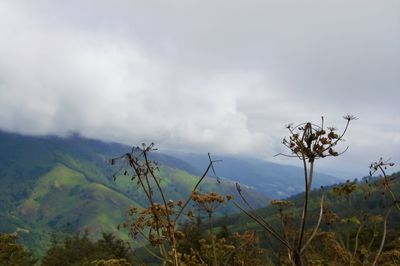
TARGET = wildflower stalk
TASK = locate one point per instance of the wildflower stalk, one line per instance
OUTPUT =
(170, 230)
(210, 166)
(307, 179)
(158, 219)
(356, 241)
(383, 236)
(212, 239)
(259, 219)
(209, 203)
(381, 166)
(307, 142)
(263, 225)
(314, 233)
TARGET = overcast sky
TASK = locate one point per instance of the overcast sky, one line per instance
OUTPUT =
(219, 76)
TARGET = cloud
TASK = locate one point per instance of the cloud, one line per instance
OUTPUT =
(207, 76)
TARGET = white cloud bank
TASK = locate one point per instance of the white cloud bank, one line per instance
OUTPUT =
(206, 76)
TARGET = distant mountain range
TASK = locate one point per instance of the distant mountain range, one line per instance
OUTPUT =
(271, 179)
(51, 183)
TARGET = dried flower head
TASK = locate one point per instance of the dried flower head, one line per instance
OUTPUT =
(331, 217)
(209, 202)
(281, 204)
(310, 141)
(349, 117)
(379, 165)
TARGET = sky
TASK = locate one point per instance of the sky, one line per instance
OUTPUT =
(197, 76)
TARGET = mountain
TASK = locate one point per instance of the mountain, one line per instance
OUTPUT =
(59, 184)
(368, 199)
(271, 179)
(50, 183)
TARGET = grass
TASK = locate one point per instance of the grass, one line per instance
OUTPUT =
(64, 197)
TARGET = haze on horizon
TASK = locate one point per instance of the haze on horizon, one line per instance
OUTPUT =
(197, 76)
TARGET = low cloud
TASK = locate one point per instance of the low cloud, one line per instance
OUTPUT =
(211, 76)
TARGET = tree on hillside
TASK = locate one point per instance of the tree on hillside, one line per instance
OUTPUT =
(12, 253)
(80, 250)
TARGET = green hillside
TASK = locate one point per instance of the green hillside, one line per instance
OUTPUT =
(65, 198)
(66, 185)
(358, 224)
(367, 198)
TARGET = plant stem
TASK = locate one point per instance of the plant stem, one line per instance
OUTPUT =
(297, 259)
(316, 227)
(212, 239)
(169, 228)
(383, 236)
(193, 190)
(307, 178)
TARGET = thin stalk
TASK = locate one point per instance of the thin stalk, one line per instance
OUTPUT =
(158, 219)
(152, 253)
(285, 235)
(305, 206)
(339, 138)
(150, 198)
(169, 231)
(372, 240)
(297, 259)
(389, 188)
(242, 245)
(383, 236)
(200, 258)
(161, 248)
(272, 232)
(272, 250)
(374, 233)
(259, 217)
(215, 263)
(314, 233)
(356, 242)
(193, 190)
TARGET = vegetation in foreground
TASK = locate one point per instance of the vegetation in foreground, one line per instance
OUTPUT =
(327, 227)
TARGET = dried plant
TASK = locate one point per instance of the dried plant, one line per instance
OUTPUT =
(367, 224)
(209, 203)
(287, 221)
(381, 166)
(307, 142)
(247, 249)
(356, 245)
(156, 223)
